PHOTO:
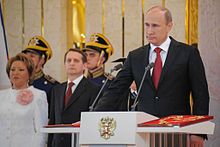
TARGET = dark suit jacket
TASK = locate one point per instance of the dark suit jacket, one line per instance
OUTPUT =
(182, 73)
(80, 101)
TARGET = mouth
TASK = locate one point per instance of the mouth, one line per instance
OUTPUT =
(150, 37)
(15, 78)
(71, 68)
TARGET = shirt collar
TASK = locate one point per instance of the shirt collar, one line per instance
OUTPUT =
(76, 81)
(164, 46)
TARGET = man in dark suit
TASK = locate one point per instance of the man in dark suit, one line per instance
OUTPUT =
(67, 109)
(182, 73)
(126, 103)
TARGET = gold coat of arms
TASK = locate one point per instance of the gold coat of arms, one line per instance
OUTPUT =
(106, 127)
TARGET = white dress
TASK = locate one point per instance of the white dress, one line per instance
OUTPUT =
(20, 124)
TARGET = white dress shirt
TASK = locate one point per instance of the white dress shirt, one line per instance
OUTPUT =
(164, 46)
(76, 83)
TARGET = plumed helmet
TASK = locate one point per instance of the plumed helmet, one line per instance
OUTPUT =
(39, 45)
(101, 44)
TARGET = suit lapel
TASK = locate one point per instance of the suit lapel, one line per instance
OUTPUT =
(148, 76)
(76, 94)
(170, 59)
(61, 94)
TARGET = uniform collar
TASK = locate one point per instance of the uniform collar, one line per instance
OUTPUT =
(97, 72)
(38, 74)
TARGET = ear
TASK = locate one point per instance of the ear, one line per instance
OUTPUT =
(42, 61)
(170, 25)
(101, 61)
(85, 66)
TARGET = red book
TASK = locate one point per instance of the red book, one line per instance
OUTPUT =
(76, 124)
(176, 121)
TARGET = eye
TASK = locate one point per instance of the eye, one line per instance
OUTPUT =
(12, 69)
(68, 60)
(155, 25)
(147, 24)
(76, 61)
(21, 69)
(93, 55)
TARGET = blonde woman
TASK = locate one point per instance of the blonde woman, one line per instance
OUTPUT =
(23, 108)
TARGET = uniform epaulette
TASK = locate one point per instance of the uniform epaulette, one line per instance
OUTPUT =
(108, 76)
(50, 79)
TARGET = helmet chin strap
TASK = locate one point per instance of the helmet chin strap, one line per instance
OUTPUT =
(100, 58)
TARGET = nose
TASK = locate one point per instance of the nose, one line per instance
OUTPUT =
(15, 72)
(88, 58)
(149, 30)
(71, 62)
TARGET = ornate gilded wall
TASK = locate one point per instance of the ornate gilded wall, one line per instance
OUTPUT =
(24, 19)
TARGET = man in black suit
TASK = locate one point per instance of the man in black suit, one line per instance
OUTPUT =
(67, 109)
(182, 73)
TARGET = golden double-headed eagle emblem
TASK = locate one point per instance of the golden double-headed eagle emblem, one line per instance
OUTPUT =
(34, 41)
(94, 38)
(106, 127)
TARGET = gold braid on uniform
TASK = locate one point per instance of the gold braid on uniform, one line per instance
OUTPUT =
(96, 73)
(99, 72)
(50, 79)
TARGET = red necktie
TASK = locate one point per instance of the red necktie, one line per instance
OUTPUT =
(68, 93)
(157, 67)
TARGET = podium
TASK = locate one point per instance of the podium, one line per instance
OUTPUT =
(119, 129)
(68, 130)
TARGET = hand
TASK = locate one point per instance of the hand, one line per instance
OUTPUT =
(196, 141)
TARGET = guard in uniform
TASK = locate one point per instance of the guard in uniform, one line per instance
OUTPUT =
(40, 52)
(98, 50)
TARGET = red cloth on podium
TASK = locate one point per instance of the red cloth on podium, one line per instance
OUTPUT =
(176, 121)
